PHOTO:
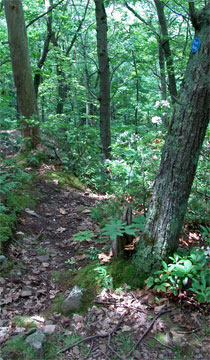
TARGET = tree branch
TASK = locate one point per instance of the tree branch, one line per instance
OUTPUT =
(193, 17)
(141, 19)
(78, 29)
(146, 331)
(45, 13)
(107, 334)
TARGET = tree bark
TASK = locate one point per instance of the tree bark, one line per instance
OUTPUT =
(179, 156)
(37, 77)
(161, 59)
(26, 98)
(167, 50)
(103, 62)
(137, 92)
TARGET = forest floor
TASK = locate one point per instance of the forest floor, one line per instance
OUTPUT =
(126, 324)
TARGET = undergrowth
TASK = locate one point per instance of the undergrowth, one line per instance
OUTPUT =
(14, 196)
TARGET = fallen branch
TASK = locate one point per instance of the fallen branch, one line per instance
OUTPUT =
(92, 337)
(147, 330)
(164, 345)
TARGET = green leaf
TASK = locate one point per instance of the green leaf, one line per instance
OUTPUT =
(83, 235)
(150, 282)
(179, 270)
(188, 266)
(130, 230)
(114, 228)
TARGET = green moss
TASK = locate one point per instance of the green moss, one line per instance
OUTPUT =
(63, 179)
(86, 278)
(24, 321)
(16, 349)
(57, 303)
(124, 272)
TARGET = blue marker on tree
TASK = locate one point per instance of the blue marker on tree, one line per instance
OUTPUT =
(196, 43)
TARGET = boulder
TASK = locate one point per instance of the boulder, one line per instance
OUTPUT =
(36, 340)
(73, 301)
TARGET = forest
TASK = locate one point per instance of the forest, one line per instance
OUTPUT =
(104, 179)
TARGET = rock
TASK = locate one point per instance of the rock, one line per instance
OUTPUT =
(137, 355)
(4, 331)
(2, 281)
(36, 340)
(49, 329)
(26, 293)
(43, 258)
(3, 262)
(73, 301)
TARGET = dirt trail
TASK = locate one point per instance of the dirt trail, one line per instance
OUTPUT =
(46, 245)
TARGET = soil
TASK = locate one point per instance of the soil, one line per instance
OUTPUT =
(144, 326)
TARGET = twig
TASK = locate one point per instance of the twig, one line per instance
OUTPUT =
(92, 337)
(105, 355)
(164, 345)
(45, 13)
(91, 347)
(147, 330)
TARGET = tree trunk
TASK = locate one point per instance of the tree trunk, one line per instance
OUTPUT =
(179, 156)
(161, 59)
(137, 93)
(26, 98)
(103, 61)
(37, 77)
(167, 51)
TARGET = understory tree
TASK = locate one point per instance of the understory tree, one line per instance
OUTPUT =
(180, 153)
(103, 63)
(26, 97)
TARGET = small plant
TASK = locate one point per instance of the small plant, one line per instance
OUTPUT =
(86, 235)
(184, 271)
(104, 211)
(92, 253)
(205, 233)
(70, 262)
(200, 286)
(103, 277)
(117, 227)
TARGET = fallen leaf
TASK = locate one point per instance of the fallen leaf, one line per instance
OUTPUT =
(26, 293)
(63, 211)
(60, 230)
(104, 258)
(45, 264)
(126, 328)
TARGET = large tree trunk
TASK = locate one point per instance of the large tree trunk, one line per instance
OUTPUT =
(180, 155)
(26, 98)
(103, 61)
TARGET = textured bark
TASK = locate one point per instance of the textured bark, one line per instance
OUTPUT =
(26, 98)
(180, 155)
(37, 77)
(161, 59)
(167, 50)
(103, 62)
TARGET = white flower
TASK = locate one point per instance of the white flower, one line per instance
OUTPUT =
(165, 103)
(156, 120)
(157, 104)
